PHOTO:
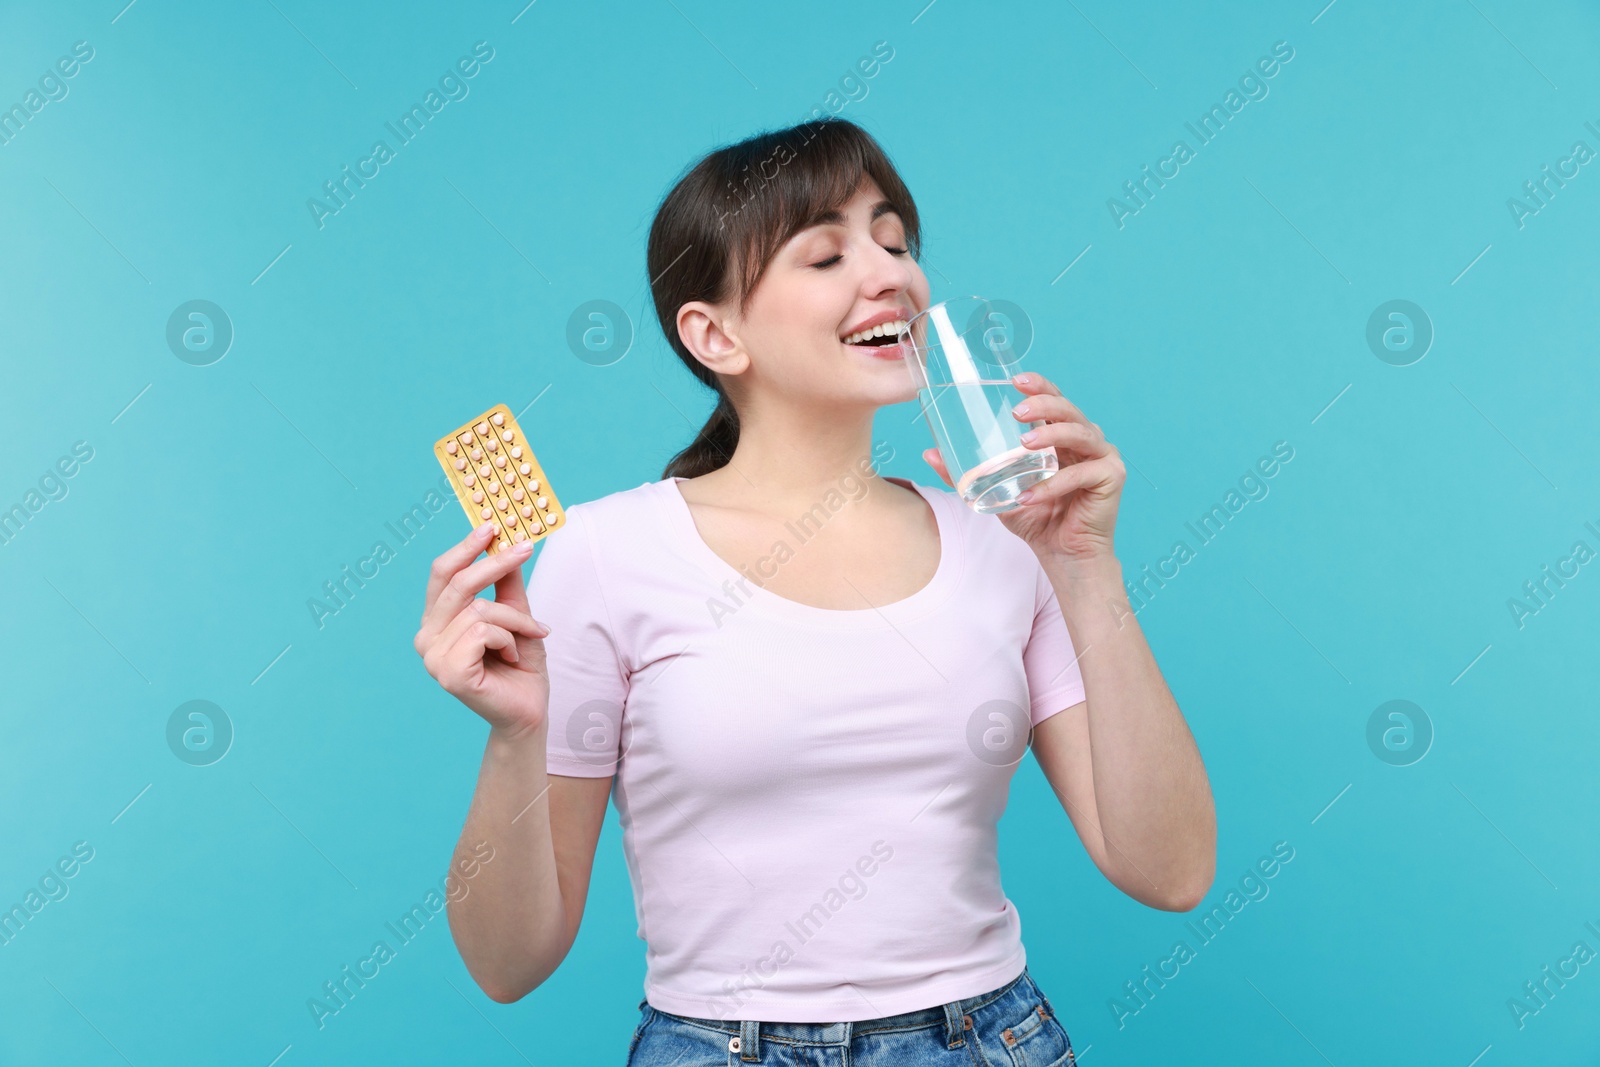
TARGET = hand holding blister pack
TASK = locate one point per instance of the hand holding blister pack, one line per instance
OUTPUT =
(488, 653)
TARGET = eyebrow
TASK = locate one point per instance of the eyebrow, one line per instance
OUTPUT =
(836, 217)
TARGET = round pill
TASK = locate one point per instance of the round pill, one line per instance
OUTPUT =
(502, 503)
(516, 451)
(451, 447)
(506, 435)
(461, 464)
(510, 476)
(470, 479)
(483, 427)
(485, 470)
(534, 485)
(527, 512)
(525, 469)
(498, 419)
(543, 501)
(519, 536)
(466, 435)
(477, 496)
(491, 444)
(485, 513)
(492, 485)
(517, 493)
(499, 461)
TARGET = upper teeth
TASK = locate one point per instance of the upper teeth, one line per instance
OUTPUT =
(876, 331)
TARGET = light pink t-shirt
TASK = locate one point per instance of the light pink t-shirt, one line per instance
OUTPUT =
(808, 796)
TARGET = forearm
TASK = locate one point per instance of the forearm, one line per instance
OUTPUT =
(1151, 791)
(511, 927)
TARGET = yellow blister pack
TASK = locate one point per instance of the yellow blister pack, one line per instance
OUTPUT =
(497, 478)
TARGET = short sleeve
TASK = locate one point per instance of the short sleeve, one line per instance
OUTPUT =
(588, 682)
(1050, 662)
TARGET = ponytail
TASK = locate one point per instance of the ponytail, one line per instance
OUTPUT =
(714, 445)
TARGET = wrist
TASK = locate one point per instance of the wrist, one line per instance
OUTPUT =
(1084, 573)
(518, 737)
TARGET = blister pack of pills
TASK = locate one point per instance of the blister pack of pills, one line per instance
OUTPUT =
(497, 478)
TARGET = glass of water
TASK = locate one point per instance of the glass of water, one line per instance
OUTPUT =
(962, 354)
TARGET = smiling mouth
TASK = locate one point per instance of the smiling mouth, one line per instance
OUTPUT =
(883, 335)
(881, 347)
(882, 341)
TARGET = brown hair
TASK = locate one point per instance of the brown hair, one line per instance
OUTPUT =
(718, 229)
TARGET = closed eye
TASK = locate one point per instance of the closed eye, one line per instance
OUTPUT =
(831, 260)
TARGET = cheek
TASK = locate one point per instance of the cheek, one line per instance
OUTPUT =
(796, 319)
(821, 305)
(919, 286)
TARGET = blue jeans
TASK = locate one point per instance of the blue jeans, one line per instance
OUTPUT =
(1013, 1026)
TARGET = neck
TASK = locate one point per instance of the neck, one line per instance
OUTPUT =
(788, 460)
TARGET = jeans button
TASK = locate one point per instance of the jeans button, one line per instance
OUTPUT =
(733, 1044)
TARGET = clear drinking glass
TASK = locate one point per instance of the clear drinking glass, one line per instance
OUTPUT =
(962, 356)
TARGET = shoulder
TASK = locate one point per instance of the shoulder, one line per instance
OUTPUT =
(615, 526)
(605, 545)
(978, 529)
(985, 541)
(622, 506)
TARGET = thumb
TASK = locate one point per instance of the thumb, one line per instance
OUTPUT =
(936, 461)
(511, 589)
(530, 650)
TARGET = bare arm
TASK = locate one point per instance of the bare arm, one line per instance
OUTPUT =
(515, 915)
(520, 914)
(1124, 764)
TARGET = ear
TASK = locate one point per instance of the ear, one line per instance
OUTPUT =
(704, 329)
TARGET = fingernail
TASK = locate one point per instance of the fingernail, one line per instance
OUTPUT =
(1026, 497)
(1020, 409)
(1023, 379)
(523, 548)
(1029, 437)
(485, 528)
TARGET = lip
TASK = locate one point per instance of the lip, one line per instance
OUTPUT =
(878, 320)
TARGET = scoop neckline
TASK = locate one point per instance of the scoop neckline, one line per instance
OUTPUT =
(933, 593)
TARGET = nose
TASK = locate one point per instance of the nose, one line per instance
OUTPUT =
(886, 273)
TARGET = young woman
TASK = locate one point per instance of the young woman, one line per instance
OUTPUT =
(808, 685)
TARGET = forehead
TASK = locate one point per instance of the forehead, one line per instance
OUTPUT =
(868, 201)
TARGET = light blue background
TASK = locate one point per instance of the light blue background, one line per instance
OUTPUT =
(1226, 316)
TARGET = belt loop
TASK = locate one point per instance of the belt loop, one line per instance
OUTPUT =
(749, 1040)
(955, 1025)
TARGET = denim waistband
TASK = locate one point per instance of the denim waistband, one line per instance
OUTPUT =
(952, 1015)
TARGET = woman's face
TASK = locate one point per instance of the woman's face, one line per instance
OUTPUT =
(822, 287)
